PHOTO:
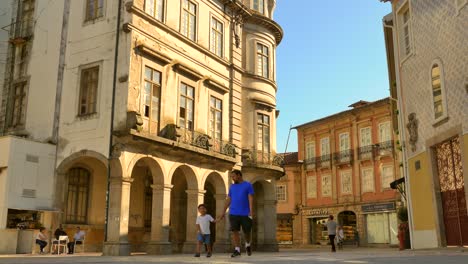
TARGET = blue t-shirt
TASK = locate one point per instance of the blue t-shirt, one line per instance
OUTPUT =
(239, 194)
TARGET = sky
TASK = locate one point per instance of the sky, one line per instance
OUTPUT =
(332, 55)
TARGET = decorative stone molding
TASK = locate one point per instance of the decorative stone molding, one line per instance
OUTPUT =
(117, 149)
(230, 150)
(134, 121)
(413, 130)
(202, 141)
(278, 160)
(170, 131)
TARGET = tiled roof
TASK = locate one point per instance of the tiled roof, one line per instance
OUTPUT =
(289, 157)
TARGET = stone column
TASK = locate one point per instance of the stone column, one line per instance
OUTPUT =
(269, 223)
(160, 215)
(117, 227)
(194, 198)
(222, 228)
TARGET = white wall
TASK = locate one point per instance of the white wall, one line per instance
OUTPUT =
(29, 165)
(42, 69)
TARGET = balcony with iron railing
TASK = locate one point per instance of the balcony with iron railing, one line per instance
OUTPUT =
(344, 157)
(366, 152)
(310, 163)
(203, 141)
(385, 148)
(324, 161)
(255, 157)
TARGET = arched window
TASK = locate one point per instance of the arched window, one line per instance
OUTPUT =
(438, 91)
(77, 198)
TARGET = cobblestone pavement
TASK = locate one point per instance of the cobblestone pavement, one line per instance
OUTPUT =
(384, 256)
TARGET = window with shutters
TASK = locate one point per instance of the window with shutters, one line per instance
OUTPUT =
(189, 19)
(94, 9)
(262, 60)
(216, 43)
(216, 118)
(151, 98)
(310, 150)
(385, 132)
(77, 196)
(88, 91)
(346, 182)
(344, 142)
(404, 19)
(155, 8)
(365, 137)
(387, 176)
(326, 185)
(311, 185)
(367, 180)
(186, 106)
(263, 133)
(325, 146)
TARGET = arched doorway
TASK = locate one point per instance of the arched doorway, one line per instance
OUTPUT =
(214, 199)
(264, 224)
(141, 204)
(81, 179)
(183, 211)
(347, 219)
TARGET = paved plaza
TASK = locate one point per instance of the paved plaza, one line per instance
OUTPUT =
(361, 255)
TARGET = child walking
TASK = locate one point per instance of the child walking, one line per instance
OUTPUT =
(203, 228)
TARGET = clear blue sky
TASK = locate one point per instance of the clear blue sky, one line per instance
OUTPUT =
(332, 55)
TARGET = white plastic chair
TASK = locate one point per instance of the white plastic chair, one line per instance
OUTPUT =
(81, 244)
(61, 242)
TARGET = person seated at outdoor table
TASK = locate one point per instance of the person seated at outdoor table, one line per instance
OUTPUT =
(58, 232)
(41, 239)
(77, 238)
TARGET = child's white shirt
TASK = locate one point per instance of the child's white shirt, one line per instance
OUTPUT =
(204, 222)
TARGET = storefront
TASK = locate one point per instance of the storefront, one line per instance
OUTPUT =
(348, 220)
(316, 220)
(381, 223)
(284, 229)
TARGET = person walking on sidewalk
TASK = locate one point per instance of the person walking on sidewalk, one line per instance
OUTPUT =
(240, 203)
(331, 228)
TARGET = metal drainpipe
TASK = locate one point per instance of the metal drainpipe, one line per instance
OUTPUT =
(401, 130)
(114, 86)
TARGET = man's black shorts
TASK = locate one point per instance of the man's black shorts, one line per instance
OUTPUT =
(238, 221)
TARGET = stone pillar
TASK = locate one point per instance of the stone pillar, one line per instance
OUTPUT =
(160, 215)
(269, 222)
(194, 198)
(117, 227)
(222, 228)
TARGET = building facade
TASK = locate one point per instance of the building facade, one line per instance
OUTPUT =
(288, 195)
(152, 103)
(428, 72)
(349, 160)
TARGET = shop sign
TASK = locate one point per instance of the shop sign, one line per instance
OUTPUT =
(378, 207)
(315, 212)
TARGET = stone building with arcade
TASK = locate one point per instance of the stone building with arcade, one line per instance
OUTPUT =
(153, 104)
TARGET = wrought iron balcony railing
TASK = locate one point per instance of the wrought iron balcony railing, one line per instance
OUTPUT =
(258, 157)
(311, 163)
(366, 152)
(385, 148)
(324, 161)
(204, 141)
(344, 157)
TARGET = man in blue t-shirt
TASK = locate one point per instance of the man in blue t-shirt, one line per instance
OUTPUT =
(240, 202)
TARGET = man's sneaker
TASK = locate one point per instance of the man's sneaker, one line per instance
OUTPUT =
(197, 255)
(249, 250)
(235, 254)
(208, 255)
